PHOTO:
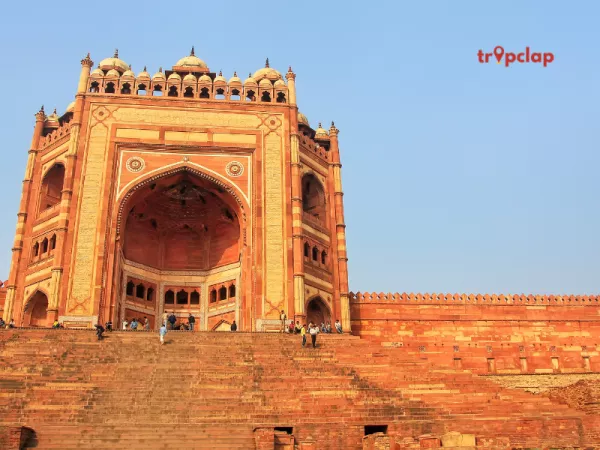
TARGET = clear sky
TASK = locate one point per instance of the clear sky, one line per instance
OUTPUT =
(458, 176)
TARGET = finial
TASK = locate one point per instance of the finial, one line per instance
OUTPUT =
(290, 69)
(160, 69)
(234, 73)
(87, 61)
(332, 124)
(267, 63)
(129, 66)
(220, 73)
(54, 111)
(192, 53)
(320, 125)
(42, 109)
(250, 75)
(116, 53)
(144, 68)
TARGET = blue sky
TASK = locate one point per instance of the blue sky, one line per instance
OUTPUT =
(458, 176)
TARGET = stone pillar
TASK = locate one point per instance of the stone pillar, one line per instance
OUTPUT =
(17, 249)
(291, 77)
(297, 250)
(67, 192)
(340, 227)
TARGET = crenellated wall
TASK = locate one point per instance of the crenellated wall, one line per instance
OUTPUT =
(487, 334)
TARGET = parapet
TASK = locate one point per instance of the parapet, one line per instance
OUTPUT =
(501, 299)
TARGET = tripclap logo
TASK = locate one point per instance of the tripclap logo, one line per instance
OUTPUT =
(509, 57)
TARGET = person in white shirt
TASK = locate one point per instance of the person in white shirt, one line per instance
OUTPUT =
(283, 319)
(313, 330)
(125, 323)
(338, 327)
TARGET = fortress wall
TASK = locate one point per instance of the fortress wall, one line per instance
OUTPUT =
(493, 335)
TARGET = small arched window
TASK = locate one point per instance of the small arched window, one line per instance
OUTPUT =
(150, 294)
(213, 295)
(265, 97)
(44, 245)
(53, 242)
(110, 88)
(141, 89)
(315, 254)
(195, 298)
(169, 297)
(140, 290)
(232, 291)
(94, 87)
(52, 185)
(189, 92)
(126, 89)
(250, 96)
(204, 93)
(313, 198)
(182, 297)
(36, 249)
(223, 293)
(280, 97)
(235, 95)
(157, 91)
(323, 257)
(173, 91)
(130, 288)
(220, 94)
(306, 250)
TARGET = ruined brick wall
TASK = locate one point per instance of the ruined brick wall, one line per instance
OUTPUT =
(486, 334)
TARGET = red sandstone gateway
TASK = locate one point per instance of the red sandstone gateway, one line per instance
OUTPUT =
(186, 193)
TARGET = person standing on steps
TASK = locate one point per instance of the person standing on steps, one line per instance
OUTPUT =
(165, 318)
(283, 319)
(233, 326)
(99, 331)
(125, 323)
(162, 332)
(146, 324)
(172, 320)
(191, 321)
(303, 334)
(314, 330)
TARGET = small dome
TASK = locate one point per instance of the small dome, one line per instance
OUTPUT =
(70, 108)
(174, 77)
(303, 119)
(265, 83)
(205, 79)
(129, 73)
(97, 72)
(52, 118)
(113, 73)
(235, 79)
(191, 61)
(114, 63)
(321, 132)
(267, 71)
(159, 76)
(144, 74)
(250, 81)
(189, 78)
(280, 83)
(220, 79)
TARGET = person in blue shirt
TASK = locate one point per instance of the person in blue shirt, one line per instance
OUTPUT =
(162, 332)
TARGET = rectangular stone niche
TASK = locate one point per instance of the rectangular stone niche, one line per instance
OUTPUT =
(372, 429)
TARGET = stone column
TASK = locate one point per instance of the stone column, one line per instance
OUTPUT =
(17, 249)
(67, 192)
(291, 77)
(340, 227)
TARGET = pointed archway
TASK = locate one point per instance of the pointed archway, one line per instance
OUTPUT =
(318, 312)
(37, 310)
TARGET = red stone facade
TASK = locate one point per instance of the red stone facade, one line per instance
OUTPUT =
(179, 182)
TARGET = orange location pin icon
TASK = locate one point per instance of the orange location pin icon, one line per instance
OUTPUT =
(499, 52)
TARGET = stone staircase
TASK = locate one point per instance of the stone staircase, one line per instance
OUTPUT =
(223, 390)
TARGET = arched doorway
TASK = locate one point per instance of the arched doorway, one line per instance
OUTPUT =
(186, 230)
(38, 307)
(317, 312)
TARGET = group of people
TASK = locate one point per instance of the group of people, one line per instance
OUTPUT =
(10, 324)
(134, 324)
(313, 329)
